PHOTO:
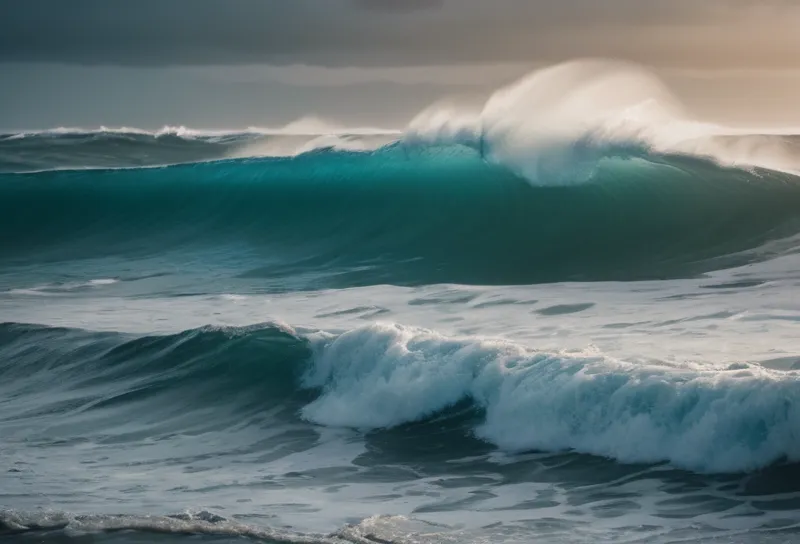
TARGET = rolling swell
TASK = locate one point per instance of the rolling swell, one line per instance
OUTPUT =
(78, 371)
(66, 148)
(118, 388)
(108, 149)
(408, 216)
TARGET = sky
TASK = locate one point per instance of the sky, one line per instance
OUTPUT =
(238, 63)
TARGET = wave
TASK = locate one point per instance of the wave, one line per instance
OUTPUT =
(64, 287)
(555, 125)
(126, 147)
(701, 417)
(585, 171)
(552, 126)
(372, 530)
(189, 523)
(305, 126)
(409, 216)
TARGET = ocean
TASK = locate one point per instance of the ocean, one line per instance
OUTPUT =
(481, 330)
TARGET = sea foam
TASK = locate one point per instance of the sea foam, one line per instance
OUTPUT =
(554, 126)
(700, 417)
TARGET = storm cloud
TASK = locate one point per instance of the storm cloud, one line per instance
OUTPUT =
(720, 33)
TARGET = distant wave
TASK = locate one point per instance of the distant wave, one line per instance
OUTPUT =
(125, 147)
(552, 126)
(701, 417)
(305, 126)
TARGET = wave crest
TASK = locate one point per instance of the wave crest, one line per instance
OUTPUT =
(555, 125)
(698, 416)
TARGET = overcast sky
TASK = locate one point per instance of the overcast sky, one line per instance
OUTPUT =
(224, 62)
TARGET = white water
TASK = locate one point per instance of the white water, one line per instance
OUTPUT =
(702, 417)
(555, 125)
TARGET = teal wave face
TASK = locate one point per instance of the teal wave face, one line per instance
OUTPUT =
(407, 217)
(106, 375)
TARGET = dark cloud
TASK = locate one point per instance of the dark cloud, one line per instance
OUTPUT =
(37, 96)
(399, 32)
(398, 5)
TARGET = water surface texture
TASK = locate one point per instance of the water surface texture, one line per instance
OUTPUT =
(463, 333)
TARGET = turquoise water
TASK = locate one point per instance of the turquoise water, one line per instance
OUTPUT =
(409, 344)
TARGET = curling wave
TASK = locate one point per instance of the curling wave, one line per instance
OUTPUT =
(556, 125)
(701, 417)
(584, 171)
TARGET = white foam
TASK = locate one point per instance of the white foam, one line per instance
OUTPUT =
(555, 125)
(200, 523)
(54, 288)
(707, 418)
(316, 126)
(294, 145)
(32, 292)
(103, 281)
(295, 138)
(368, 531)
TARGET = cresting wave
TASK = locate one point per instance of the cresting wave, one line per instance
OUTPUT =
(552, 126)
(699, 417)
(556, 125)
(409, 216)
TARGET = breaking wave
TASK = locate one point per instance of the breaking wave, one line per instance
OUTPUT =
(410, 216)
(702, 417)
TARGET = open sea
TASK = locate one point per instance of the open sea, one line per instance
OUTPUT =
(389, 338)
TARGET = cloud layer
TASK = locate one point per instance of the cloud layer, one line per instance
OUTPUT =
(399, 32)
